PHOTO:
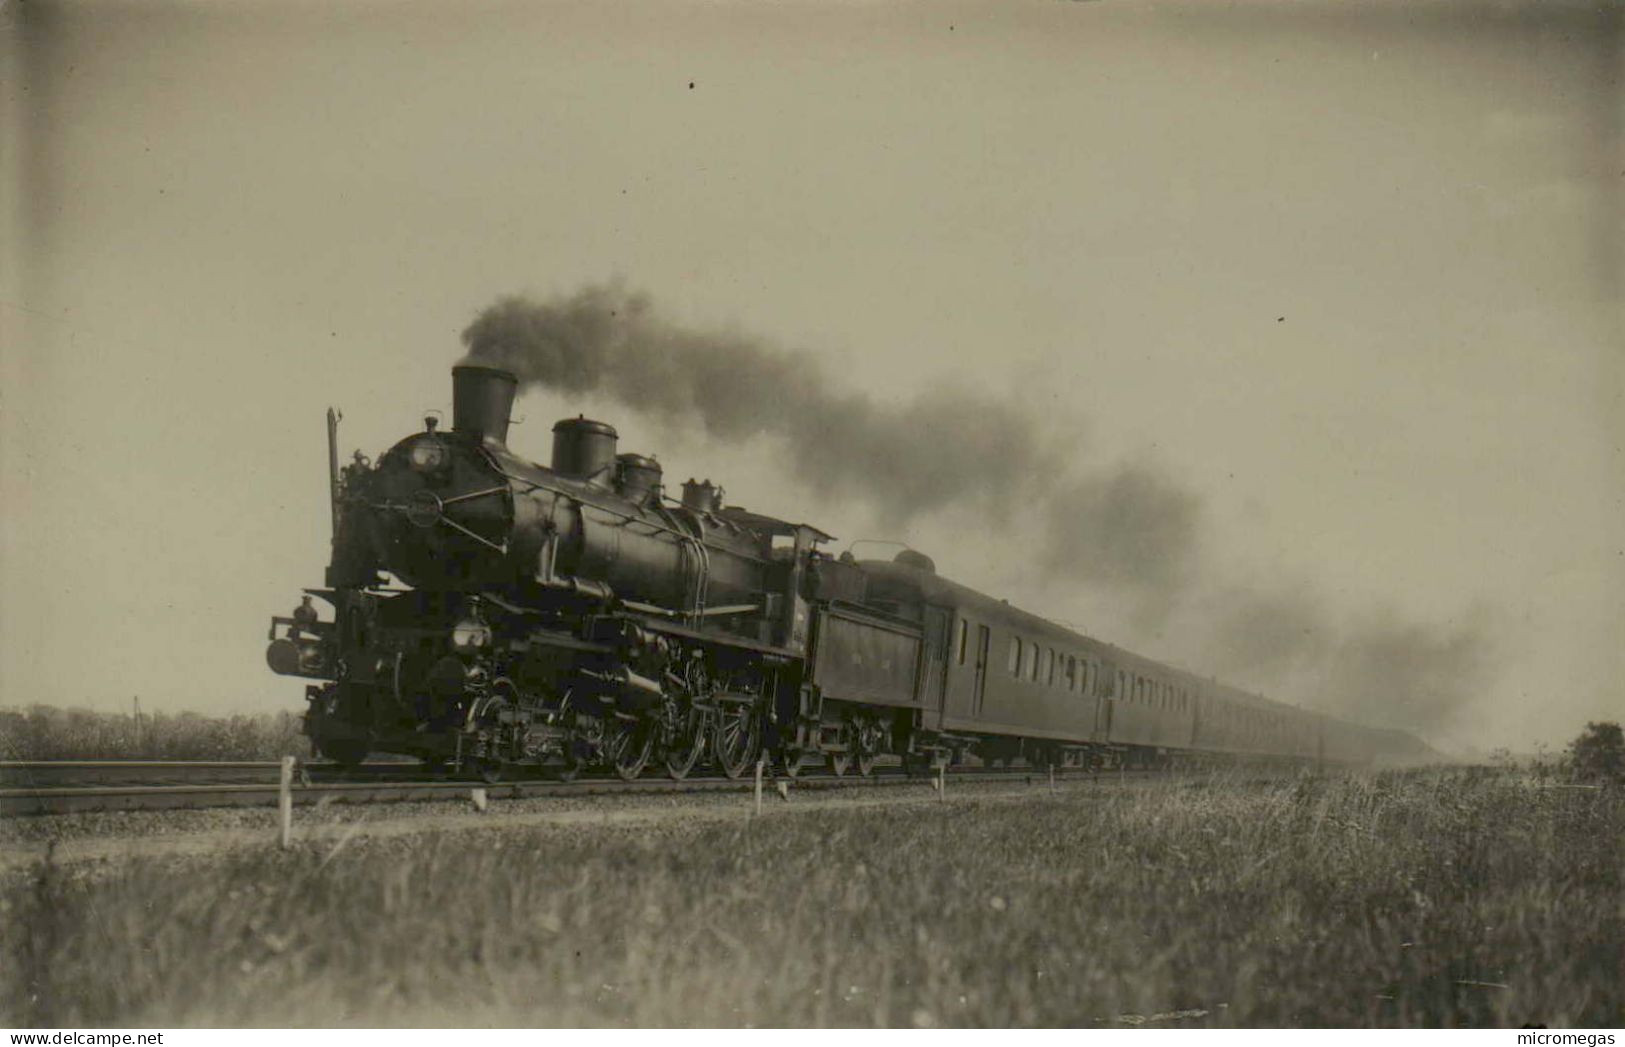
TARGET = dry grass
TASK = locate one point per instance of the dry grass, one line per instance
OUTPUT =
(45, 732)
(1427, 898)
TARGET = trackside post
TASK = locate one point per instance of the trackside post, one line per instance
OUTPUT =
(284, 801)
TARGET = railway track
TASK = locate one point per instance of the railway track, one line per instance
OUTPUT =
(64, 787)
(41, 774)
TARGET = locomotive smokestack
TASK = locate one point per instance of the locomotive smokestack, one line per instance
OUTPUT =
(481, 401)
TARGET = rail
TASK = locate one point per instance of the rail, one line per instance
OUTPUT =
(378, 786)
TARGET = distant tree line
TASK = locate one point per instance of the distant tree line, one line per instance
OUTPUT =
(46, 732)
(1598, 754)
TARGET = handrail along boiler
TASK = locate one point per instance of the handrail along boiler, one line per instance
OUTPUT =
(496, 614)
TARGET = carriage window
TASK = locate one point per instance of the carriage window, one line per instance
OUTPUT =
(1049, 666)
(1015, 656)
(963, 629)
(1034, 673)
(1120, 683)
(1071, 673)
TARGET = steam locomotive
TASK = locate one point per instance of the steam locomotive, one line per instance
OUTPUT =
(501, 617)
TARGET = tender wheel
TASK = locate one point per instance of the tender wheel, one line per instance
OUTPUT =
(736, 739)
(488, 771)
(630, 748)
(790, 762)
(841, 762)
(865, 763)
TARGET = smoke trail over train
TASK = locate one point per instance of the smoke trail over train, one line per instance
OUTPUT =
(1128, 528)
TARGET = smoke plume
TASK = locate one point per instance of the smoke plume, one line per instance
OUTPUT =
(942, 448)
(1126, 529)
(1373, 666)
(608, 341)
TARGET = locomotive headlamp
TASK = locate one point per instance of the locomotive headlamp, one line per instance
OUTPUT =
(470, 634)
(428, 456)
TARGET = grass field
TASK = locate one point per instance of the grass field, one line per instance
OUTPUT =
(1426, 898)
(47, 732)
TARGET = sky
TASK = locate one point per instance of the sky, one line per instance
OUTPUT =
(1339, 283)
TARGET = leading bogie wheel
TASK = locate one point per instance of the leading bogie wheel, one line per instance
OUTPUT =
(349, 755)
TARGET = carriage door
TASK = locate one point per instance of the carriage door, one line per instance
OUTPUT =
(933, 677)
(983, 639)
(1104, 682)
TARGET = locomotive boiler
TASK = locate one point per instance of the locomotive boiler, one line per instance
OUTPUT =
(501, 616)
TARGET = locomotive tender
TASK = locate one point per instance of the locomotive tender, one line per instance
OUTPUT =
(494, 614)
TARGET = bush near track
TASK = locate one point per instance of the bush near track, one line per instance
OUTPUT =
(1424, 898)
(46, 732)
